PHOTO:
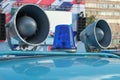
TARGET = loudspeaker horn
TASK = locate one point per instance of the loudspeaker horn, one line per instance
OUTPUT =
(97, 34)
(30, 25)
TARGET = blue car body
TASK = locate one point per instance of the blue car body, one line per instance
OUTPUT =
(60, 66)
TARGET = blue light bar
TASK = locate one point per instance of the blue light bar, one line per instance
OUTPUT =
(64, 38)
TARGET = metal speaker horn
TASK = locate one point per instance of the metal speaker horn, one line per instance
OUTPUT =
(30, 25)
(97, 34)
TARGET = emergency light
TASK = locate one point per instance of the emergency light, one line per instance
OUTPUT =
(64, 39)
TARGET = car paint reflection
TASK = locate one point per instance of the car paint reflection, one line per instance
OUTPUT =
(59, 68)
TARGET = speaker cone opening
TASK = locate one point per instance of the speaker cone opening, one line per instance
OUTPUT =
(34, 22)
(103, 33)
(27, 26)
(99, 34)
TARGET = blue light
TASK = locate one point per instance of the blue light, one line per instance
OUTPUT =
(63, 37)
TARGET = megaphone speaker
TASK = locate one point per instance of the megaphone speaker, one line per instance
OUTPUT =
(97, 34)
(30, 25)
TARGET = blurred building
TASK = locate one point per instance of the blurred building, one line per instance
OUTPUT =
(108, 10)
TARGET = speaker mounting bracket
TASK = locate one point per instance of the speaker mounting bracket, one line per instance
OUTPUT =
(20, 46)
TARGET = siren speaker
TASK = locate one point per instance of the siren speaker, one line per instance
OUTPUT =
(30, 25)
(97, 34)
